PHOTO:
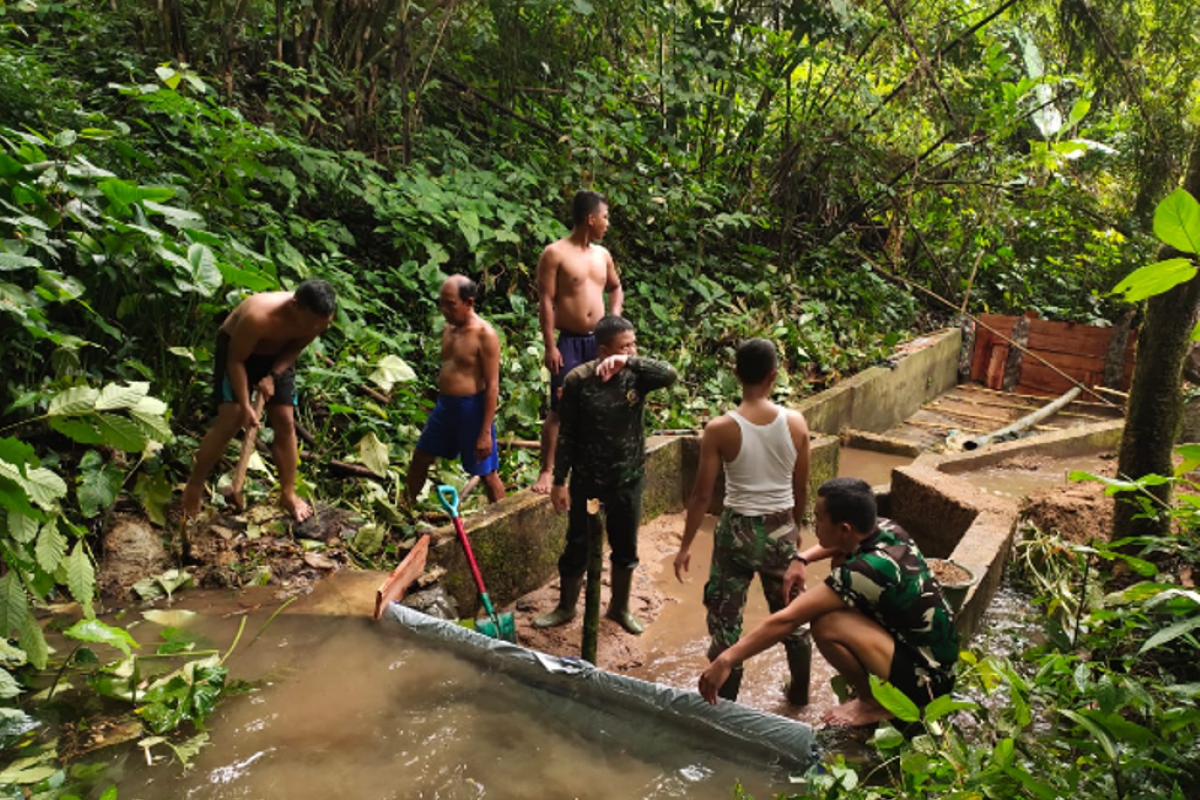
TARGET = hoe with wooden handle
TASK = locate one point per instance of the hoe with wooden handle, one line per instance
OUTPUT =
(233, 492)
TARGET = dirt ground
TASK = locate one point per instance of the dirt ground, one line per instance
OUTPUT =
(1078, 511)
(223, 549)
(617, 650)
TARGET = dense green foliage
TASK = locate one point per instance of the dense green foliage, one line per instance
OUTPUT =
(832, 176)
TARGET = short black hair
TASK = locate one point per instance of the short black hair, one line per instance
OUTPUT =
(317, 296)
(755, 360)
(849, 500)
(586, 202)
(468, 290)
(609, 327)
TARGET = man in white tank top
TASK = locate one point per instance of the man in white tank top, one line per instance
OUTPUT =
(764, 451)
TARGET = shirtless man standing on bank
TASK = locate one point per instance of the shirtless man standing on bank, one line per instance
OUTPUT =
(462, 423)
(257, 347)
(573, 274)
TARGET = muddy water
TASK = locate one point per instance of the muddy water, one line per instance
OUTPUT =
(1024, 476)
(677, 642)
(874, 468)
(348, 708)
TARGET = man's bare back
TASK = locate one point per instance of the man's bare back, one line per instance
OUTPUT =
(260, 325)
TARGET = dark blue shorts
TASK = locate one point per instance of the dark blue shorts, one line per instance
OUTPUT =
(576, 349)
(453, 428)
(257, 368)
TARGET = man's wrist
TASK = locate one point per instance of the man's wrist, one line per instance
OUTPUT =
(798, 556)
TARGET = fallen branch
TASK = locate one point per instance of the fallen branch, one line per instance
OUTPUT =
(357, 470)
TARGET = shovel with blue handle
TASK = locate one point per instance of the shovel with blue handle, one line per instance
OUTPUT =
(497, 626)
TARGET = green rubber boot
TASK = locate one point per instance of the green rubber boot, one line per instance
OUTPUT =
(618, 606)
(799, 659)
(567, 599)
(732, 685)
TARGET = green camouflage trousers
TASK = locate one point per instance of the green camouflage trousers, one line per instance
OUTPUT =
(743, 547)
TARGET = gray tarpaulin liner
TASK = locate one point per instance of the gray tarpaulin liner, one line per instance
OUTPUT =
(596, 697)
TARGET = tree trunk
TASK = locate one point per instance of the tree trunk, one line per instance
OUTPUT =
(1155, 399)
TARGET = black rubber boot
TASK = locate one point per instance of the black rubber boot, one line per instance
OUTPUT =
(618, 606)
(567, 599)
(799, 659)
(732, 685)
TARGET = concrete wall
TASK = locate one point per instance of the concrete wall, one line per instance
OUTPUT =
(878, 398)
(517, 541)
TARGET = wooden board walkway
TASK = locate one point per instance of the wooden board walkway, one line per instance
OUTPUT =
(974, 409)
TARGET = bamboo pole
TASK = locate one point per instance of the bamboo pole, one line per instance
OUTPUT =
(591, 603)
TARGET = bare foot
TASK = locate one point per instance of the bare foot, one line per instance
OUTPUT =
(856, 713)
(299, 509)
(544, 482)
(192, 497)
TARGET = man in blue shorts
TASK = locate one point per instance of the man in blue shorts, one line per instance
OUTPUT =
(462, 424)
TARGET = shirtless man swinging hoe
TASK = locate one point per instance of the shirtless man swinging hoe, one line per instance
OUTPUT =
(257, 347)
(573, 275)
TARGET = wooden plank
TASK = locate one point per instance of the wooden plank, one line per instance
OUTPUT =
(972, 387)
(402, 577)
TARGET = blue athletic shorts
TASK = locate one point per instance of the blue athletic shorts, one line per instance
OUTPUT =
(257, 368)
(452, 430)
(576, 349)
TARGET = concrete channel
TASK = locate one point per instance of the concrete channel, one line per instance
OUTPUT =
(518, 540)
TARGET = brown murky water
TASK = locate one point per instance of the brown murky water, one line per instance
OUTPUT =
(874, 468)
(1024, 476)
(348, 708)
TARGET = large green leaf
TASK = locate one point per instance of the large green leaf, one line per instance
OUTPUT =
(203, 276)
(81, 578)
(28, 771)
(33, 642)
(1171, 633)
(22, 527)
(9, 688)
(1177, 221)
(11, 261)
(895, 701)
(14, 607)
(153, 427)
(374, 453)
(121, 433)
(73, 402)
(1155, 279)
(114, 396)
(45, 487)
(79, 429)
(391, 370)
(96, 632)
(51, 546)
(99, 484)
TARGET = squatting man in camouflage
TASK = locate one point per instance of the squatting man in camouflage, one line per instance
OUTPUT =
(880, 612)
(764, 451)
(602, 447)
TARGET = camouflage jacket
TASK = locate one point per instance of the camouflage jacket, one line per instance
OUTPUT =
(888, 579)
(602, 437)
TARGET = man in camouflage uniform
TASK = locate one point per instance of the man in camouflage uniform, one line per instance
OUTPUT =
(880, 612)
(602, 446)
(763, 450)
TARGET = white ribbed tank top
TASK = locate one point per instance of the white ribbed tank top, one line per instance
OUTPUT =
(759, 480)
